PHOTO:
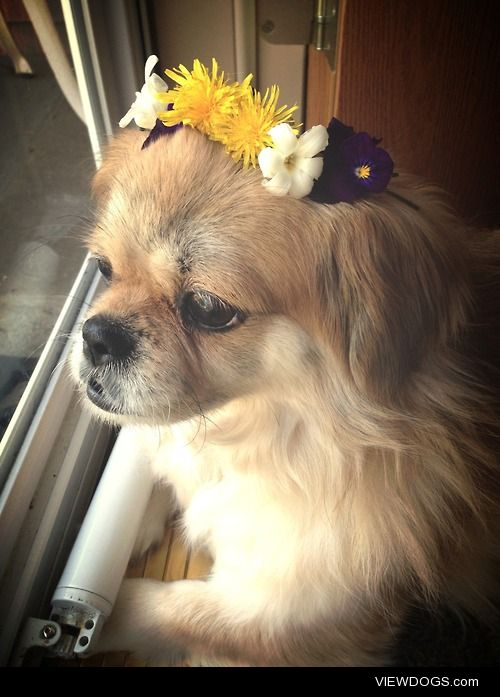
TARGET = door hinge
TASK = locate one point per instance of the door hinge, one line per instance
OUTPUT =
(300, 22)
(324, 29)
(287, 22)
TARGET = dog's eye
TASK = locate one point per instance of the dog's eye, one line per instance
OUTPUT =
(105, 268)
(207, 311)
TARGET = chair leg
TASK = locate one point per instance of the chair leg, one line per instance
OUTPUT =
(21, 65)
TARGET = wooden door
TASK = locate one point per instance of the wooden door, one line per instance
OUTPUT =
(425, 76)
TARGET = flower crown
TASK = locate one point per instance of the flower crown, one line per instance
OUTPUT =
(254, 130)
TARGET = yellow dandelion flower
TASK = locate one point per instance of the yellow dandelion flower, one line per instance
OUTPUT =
(246, 132)
(199, 98)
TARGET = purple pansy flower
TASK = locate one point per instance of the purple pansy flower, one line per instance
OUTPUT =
(354, 166)
(160, 130)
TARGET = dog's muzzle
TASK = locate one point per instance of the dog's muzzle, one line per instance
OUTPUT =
(107, 343)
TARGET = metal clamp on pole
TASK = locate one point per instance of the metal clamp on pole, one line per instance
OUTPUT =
(35, 633)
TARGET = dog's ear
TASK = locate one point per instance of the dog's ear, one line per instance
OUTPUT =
(395, 289)
(121, 149)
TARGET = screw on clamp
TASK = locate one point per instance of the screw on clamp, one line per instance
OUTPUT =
(48, 632)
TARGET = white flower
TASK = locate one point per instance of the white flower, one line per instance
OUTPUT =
(145, 109)
(290, 167)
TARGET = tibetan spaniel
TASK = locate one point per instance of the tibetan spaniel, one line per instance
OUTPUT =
(320, 386)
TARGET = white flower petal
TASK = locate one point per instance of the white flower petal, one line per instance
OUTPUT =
(150, 64)
(279, 185)
(159, 106)
(125, 120)
(144, 102)
(301, 184)
(312, 142)
(270, 162)
(146, 118)
(144, 93)
(156, 84)
(146, 107)
(313, 166)
(284, 139)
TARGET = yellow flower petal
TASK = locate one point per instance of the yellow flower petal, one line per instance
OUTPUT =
(246, 132)
(233, 114)
(200, 98)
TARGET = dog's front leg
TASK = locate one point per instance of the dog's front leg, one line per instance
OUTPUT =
(165, 622)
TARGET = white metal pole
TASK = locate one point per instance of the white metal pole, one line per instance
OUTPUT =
(91, 579)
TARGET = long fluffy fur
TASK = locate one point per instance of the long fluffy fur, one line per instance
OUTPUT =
(338, 452)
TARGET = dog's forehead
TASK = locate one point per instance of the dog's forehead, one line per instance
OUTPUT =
(187, 196)
(194, 207)
(184, 208)
(190, 227)
(200, 240)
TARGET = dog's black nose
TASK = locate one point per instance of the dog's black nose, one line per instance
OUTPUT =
(106, 340)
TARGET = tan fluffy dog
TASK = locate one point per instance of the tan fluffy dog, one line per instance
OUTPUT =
(322, 378)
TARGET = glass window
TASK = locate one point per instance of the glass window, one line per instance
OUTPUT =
(45, 167)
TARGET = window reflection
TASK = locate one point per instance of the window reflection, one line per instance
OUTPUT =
(45, 167)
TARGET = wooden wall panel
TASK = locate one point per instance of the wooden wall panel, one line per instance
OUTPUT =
(425, 76)
(321, 83)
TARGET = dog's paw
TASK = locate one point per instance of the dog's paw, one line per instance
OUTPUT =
(161, 508)
(150, 535)
(137, 626)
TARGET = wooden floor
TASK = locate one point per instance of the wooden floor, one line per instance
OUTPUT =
(171, 561)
